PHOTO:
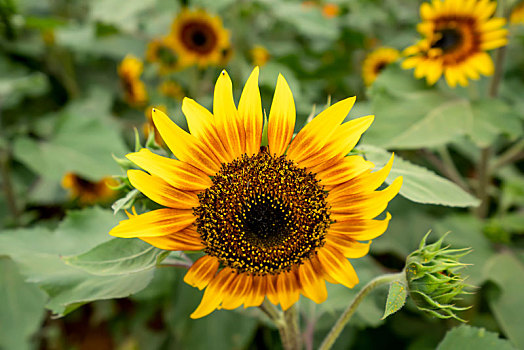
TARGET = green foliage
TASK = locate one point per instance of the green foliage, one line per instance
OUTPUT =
(420, 184)
(473, 338)
(397, 295)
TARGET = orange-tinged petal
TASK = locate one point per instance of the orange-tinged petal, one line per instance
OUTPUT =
(160, 222)
(315, 134)
(271, 285)
(230, 127)
(342, 141)
(287, 289)
(238, 291)
(215, 293)
(337, 266)
(184, 146)
(347, 246)
(282, 117)
(202, 272)
(363, 183)
(178, 174)
(359, 229)
(187, 239)
(160, 191)
(257, 293)
(201, 124)
(313, 286)
(250, 111)
(344, 170)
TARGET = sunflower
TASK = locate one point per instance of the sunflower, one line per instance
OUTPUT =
(457, 34)
(517, 15)
(259, 55)
(149, 126)
(376, 61)
(199, 38)
(161, 51)
(129, 71)
(275, 220)
(171, 89)
(89, 192)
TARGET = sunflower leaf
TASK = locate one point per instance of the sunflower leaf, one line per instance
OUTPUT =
(396, 298)
(420, 184)
(467, 337)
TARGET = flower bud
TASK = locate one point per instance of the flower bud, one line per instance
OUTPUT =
(433, 280)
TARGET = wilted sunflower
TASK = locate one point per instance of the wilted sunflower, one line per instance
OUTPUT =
(129, 71)
(376, 61)
(199, 38)
(87, 191)
(275, 220)
(161, 51)
(517, 15)
(457, 34)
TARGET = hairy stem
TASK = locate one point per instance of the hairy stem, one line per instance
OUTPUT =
(290, 333)
(329, 340)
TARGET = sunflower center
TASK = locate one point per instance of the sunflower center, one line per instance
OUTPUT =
(448, 39)
(199, 37)
(262, 214)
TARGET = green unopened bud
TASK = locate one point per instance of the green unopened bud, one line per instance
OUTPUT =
(433, 280)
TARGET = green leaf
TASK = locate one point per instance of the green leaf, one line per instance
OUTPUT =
(508, 305)
(409, 116)
(492, 118)
(38, 253)
(396, 298)
(466, 337)
(83, 142)
(21, 308)
(420, 184)
(117, 257)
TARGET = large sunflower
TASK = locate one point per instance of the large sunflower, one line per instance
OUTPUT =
(199, 38)
(275, 220)
(457, 34)
(376, 61)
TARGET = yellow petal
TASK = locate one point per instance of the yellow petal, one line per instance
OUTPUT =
(202, 272)
(184, 146)
(342, 141)
(271, 285)
(250, 111)
(237, 292)
(161, 192)
(348, 247)
(282, 116)
(337, 266)
(315, 134)
(313, 286)
(160, 222)
(214, 293)
(287, 289)
(185, 240)
(257, 293)
(359, 229)
(344, 170)
(229, 126)
(201, 124)
(178, 174)
(483, 63)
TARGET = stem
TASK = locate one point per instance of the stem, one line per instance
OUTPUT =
(446, 167)
(289, 333)
(271, 312)
(497, 77)
(511, 155)
(8, 187)
(484, 179)
(329, 340)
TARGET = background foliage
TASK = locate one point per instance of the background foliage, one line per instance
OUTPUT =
(62, 110)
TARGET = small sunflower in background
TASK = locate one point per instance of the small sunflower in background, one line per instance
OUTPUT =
(274, 221)
(330, 10)
(88, 192)
(376, 61)
(129, 71)
(259, 55)
(199, 38)
(457, 34)
(172, 90)
(162, 52)
(149, 126)
(517, 15)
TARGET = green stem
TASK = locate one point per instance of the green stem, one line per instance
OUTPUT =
(290, 333)
(511, 155)
(346, 315)
(8, 187)
(484, 180)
